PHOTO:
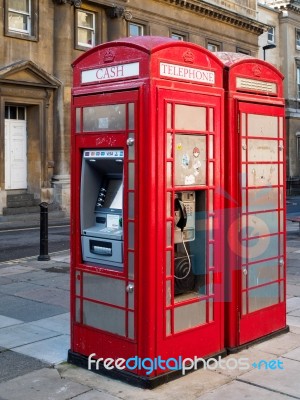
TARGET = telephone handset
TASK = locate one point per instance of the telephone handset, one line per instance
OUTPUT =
(180, 207)
(184, 207)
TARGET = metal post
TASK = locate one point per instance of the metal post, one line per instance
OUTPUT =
(43, 232)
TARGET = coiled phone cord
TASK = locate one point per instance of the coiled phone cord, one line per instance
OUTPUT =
(188, 256)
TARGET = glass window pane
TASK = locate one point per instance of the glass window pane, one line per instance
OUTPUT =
(263, 223)
(298, 38)
(131, 205)
(78, 118)
(104, 118)
(13, 112)
(262, 297)
(263, 272)
(168, 263)
(177, 37)
(17, 21)
(169, 145)
(262, 125)
(168, 292)
(105, 289)
(131, 325)
(190, 160)
(262, 199)
(85, 37)
(262, 248)
(131, 115)
(130, 264)
(169, 116)
(21, 113)
(168, 322)
(262, 175)
(19, 5)
(190, 117)
(262, 150)
(135, 29)
(85, 19)
(103, 317)
(131, 235)
(188, 316)
(131, 176)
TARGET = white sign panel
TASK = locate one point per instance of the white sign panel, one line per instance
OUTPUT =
(110, 73)
(186, 73)
(253, 84)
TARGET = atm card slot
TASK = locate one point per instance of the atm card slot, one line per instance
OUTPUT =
(101, 248)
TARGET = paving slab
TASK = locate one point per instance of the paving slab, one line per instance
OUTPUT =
(44, 384)
(234, 365)
(13, 364)
(16, 288)
(46, 295)
(65, 257)
(28, 310)
(285, 381)
(295, 313)
(295, 329)
(15, 336)
(59, 323)
(6, 321)
(280, 344)
(242, 391)
(293, 355)
(52, 350)
(31, 276)
(292, 290)
(293, 304)
(189, 387)
(58, 281)
(96, 395)
(293, 321)
(14, 269)
(4, 280)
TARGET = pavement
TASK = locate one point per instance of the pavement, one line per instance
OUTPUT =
(34, 341)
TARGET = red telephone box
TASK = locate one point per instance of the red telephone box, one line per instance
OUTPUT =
(147, 244)
(255, 233)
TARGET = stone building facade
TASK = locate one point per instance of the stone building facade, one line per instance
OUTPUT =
(283, 17)
(39, 41)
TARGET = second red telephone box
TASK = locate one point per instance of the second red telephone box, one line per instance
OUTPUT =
(255, 233)
(147, 244)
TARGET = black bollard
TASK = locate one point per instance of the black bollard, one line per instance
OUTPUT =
(43, 232)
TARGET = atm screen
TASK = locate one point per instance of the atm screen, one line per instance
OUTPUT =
(114, 194)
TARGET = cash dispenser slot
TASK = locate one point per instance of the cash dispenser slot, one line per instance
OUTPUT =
(102, 248)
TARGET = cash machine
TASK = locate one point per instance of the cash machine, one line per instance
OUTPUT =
(146, 251)
(101, 202)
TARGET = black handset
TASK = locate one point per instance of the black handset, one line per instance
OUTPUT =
(179, 206)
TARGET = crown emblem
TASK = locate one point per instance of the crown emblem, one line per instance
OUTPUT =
(109, 56)
(256, 70)
(189, 56)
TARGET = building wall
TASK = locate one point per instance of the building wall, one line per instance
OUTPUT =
(285, 17)
(35, 70)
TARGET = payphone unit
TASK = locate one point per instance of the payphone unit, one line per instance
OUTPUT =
(101, 207)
